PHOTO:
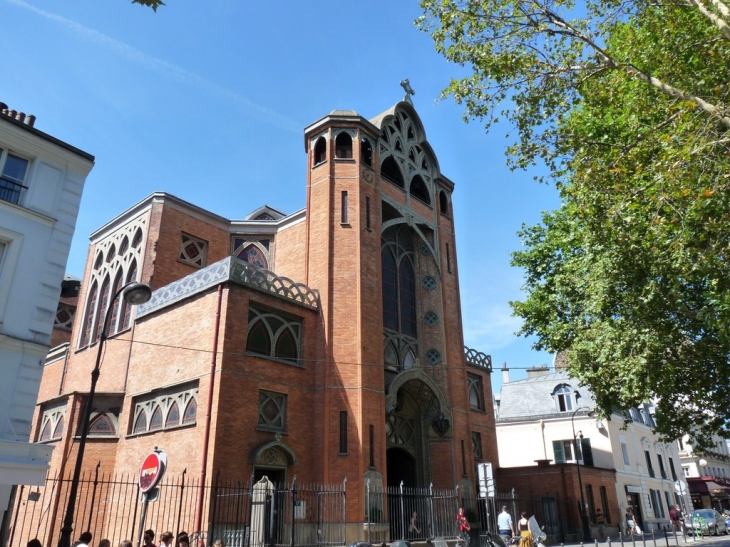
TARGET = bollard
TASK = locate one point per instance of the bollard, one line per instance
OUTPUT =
(608, 541)
(621, 537)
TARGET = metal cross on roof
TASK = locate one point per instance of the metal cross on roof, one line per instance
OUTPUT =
(406, 85)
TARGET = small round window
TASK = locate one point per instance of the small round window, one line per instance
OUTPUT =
(428, 283)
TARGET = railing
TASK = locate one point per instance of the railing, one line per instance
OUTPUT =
(242, 515)
(391, 512)
(10, 190)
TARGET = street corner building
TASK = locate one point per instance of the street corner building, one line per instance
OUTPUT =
(318, 353)
(41, 182)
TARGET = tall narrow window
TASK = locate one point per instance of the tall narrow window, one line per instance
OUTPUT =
(649, 466)
(372, 445)
(662, 471)
(671, 468)
(448, 258)
(126, 306)
(476, 442)
(367, 212)
(463, 459)
(101, 313)
(320, 151)
(625, 453)
(604, 504)
(476, 392)
(343, 209)
(590, 501)
(366, 152)
(89, 319)
(343, 432)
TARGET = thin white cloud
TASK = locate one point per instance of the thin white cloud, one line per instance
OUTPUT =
(164, 68)
(489, 328)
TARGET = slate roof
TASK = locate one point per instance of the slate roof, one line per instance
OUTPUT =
(534, 396)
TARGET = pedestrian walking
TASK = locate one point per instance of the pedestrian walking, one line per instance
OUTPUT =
(149, 537)
(84, 539)
(523, 527)
(504, 525)
(105, 543)
(35, 543)
(166, 539)
(413, 527)
(464, 527)
(601, 523)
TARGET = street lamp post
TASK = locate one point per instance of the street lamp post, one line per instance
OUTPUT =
(583, 514)
(134, 294)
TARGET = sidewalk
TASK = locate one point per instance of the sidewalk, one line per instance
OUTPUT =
(649, 540)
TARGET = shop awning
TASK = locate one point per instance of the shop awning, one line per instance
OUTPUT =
(701, 485)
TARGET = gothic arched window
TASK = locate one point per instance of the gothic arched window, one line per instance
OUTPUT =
(399, 281)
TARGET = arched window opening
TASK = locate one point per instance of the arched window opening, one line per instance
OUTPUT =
(320, 151)
(137, 238)
(409, 360)
(102, 425)
(113, 327)
(390, 290)
(99, 261)
(399, 281)
(89, 318)
(407, 285)
(173, 416)
(366, 152)
(343, 146)
(443, 203)
(126, 306)
(124, 246)
(286, 346)
(46, 433)
(391, 356)
(101, 313)
(272, 335)
(258, 340)
(111, 253)
(419, 190)
(58, 432)
(390, 170)
(140, 425)
(156, 421)
(190, 412)
(253, 255)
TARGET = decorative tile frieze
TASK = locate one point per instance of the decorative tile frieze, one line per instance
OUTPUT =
(230, 269)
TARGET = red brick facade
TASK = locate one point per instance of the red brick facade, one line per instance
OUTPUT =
(196, 345)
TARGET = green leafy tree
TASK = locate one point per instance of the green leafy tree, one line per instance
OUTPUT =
(154, 4)
(625, 102)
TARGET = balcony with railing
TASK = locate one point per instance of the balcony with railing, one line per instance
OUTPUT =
(10, 190)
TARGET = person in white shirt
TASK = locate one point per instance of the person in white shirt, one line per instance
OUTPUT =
(504, 525)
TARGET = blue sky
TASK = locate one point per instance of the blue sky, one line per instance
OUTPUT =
(208, 101)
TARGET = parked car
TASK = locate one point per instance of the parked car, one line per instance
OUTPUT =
(710, 520)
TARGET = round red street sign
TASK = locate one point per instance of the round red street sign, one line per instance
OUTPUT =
(151, 472)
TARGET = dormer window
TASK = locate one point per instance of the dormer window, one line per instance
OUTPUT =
(564, 398)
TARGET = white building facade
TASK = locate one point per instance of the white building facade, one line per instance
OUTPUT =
(41, 182)
(548, 417)
(706, 474)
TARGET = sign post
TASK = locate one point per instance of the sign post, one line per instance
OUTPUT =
(152, 470)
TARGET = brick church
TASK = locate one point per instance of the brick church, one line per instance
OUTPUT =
(325, 344)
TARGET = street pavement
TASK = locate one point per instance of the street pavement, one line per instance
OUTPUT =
(659, 540)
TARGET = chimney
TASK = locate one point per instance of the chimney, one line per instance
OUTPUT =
(560, 361)
(28, 120)
(535, 372)
(505, 373)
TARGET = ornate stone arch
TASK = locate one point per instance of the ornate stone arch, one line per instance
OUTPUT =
(274, 454)
(435, 407)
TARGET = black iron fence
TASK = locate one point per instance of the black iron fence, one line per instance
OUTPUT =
(242, 515)
(558, 516)
(409, 513)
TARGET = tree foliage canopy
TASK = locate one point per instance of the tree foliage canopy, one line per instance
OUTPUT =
(154, 4)
(625, 102)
